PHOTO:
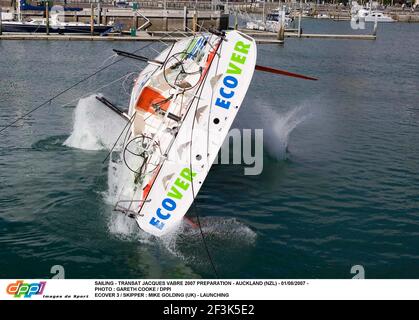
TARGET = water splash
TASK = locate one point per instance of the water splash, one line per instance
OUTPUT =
(95, 126)
(278, 128)
(126, 229)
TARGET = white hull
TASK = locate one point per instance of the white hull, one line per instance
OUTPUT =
(364, 15)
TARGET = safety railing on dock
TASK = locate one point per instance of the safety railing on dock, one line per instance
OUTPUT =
(169, 4)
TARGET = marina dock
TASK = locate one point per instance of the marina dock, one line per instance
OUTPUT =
(171, 21)
(141, 36)
(293, 33)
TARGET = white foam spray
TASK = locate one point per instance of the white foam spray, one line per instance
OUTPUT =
(95, 126)
(92, 131)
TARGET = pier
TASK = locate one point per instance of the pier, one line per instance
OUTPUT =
(150, 15)
(141, 36)
(331, 11)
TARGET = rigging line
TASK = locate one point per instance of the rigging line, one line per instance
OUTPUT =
(36, 30)
(183, 33)
(201, 27)
(170, 36)
(55, 96)
(128, 131)
(190, 167)
(72, 86)
(130, 121)
(126, 181)
(119, 137)
(111, 58)
(156, 51)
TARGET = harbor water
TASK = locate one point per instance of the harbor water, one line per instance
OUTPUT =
(339, 185)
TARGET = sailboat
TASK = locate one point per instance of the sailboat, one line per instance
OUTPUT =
(55, 25)
(181, 109)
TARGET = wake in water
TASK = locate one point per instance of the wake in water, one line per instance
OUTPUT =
(50, 144)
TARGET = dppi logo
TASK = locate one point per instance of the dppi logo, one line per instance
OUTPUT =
(27, 290)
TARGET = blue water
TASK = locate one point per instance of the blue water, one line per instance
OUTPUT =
(339, 186)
